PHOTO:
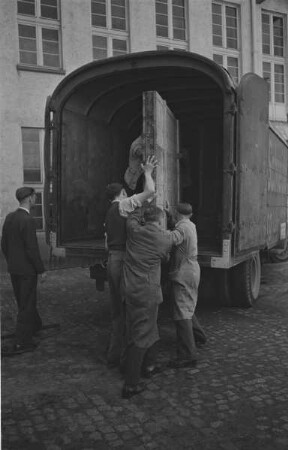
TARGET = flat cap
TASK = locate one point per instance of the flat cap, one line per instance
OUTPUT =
(184, 208)
(113, 189)
(24, 192)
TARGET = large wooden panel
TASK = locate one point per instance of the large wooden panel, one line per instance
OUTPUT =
(160, 131)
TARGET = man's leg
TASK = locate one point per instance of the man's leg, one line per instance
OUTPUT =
(114, 274)
(199, 333)
(25, 292)
(185, 345)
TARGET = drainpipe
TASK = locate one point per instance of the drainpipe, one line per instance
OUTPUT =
(253, 34)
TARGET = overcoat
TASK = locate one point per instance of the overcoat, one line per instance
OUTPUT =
(146, 246)
(19, 244)
(185, 272)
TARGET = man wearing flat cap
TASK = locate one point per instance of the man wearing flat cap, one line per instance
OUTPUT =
(20, 248)
(185, 278)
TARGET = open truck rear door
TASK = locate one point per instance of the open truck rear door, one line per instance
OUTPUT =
(252, 162)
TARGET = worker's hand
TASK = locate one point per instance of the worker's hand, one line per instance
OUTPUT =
(150, 164)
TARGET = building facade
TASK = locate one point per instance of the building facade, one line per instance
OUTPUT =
(44, 40)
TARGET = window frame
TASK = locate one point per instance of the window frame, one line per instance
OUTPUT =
(224, 51)
(274, 60)
(170, 41)
(109, 33)
(37, 185)
(40, 23)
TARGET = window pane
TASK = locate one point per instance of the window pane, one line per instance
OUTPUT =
(266, 34)
(178, 12)
(233, 68)
(231, 27)
(161, 31)
(26, 7)
(118, 24)
(179, 34)
(99, 44)
(218, 59)
(31, 155)
(162, 20)
(27, 45)
(27, 31)
(278, 35)
(50, 45)
(267, 76)
(49, 9)
(117, 11)
(279, 83)
(37, 211)
(162, 47)
(119, 47)
(98, 8)
(217, 25)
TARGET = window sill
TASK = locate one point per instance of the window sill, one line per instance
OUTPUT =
(40, 69)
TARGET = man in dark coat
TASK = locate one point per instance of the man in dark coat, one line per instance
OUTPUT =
(20, 248)
(115, 228)
(147, 245)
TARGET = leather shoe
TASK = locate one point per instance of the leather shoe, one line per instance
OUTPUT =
(129, 391)
(150, 371)
(182, 363)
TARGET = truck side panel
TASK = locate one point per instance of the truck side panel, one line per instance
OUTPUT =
(277, 190)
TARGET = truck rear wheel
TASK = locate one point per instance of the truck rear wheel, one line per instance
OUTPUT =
(245, 282)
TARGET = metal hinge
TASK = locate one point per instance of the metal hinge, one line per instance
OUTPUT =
(229, 228)
(232, 110)
(232, 169)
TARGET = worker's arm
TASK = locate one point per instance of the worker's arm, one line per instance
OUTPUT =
(149, 186)
(129, 204)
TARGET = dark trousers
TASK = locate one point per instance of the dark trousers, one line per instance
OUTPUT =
(114, 275)
(199, 333)
(137, 360)
(28, 319)
(185, 343)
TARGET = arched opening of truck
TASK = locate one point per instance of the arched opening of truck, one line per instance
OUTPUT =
(102, 114)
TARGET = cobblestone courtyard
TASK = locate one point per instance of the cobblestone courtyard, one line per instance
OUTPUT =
(62, 396)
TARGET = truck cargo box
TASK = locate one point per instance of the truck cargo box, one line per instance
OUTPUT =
(211, 137)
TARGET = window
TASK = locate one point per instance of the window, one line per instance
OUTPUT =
(225, 31)
(39, 33)
(109, 18)
(171, 23)
(32, 143)
(273, 51)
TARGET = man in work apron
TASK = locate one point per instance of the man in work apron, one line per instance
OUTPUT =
(185, 278)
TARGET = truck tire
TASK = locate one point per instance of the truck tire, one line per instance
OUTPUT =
(245, 282)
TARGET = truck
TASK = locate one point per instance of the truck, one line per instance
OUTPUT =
(215, 149)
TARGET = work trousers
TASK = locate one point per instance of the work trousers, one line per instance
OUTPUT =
(185, 342)
(114, 275)
(199, 333)
(28, 319)
(137, 360)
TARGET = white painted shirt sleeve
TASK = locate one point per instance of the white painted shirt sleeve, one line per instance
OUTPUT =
(128, 205)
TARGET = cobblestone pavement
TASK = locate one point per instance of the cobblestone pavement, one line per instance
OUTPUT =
(62, 396)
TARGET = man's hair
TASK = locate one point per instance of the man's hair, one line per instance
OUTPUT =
(24, 192)
(152, 213)
(184, 208)
(113, 189)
